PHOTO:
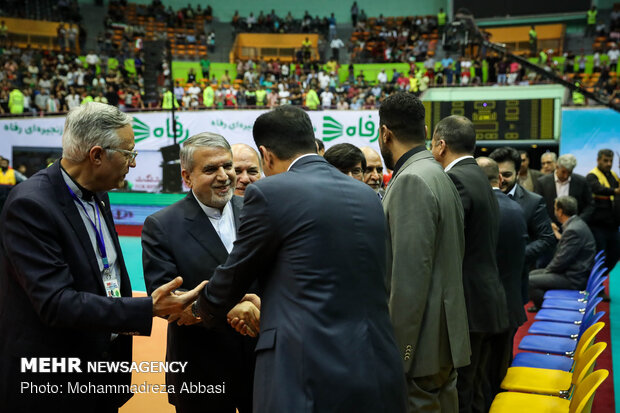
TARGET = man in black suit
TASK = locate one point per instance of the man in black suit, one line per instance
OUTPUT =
(564, 182)
(541, 239)
(309, 235)
(511, 242)
(64, 287)
(192, 237)
(453, 144)
(573, 258)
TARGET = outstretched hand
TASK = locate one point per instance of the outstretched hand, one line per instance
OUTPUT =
(166, 302)
(245, 318)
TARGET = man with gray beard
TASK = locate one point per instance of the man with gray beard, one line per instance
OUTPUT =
(192, 237)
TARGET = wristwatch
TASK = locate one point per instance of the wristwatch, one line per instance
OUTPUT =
(195, 309)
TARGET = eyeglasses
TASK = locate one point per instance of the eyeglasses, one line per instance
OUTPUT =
(131, 155)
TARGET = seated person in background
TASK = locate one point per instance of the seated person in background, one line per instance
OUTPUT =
(349, 159)
(573, 258)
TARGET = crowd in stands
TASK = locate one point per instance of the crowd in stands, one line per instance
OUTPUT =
(48, 10)
(272, 23)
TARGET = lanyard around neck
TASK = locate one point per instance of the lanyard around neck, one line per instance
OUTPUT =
(98, 232)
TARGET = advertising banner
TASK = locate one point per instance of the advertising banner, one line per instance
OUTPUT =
(154, 129)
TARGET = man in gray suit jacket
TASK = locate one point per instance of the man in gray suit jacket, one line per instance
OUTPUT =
(425, 254)
(574, 255)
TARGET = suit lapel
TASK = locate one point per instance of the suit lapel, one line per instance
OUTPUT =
(425, 154)
(237, 205)
(199, 226)
(69, 209)
(554, 192)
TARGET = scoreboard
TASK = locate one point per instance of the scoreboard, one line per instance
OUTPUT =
(523, 119)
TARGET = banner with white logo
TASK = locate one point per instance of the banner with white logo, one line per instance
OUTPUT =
(154, 130)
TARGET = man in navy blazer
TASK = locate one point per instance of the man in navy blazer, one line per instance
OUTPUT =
(310, 235)
(64, 287)
(192, 237)
(510, 250)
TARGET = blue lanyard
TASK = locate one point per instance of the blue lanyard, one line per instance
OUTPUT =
(98, 233)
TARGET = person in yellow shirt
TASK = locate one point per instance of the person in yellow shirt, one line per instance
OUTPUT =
(168, 100)
(7, 174)
(312, 99)
(208, 96)
(261, 96)
(16, 102)
(306, 47)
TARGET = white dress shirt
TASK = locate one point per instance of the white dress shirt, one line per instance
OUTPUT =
(223, 222)
(457, 160)
(561, 188)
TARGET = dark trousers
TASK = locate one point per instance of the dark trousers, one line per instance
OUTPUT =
(502, 346)
(541, 281)
(435, 393)
(470, 378)
(336, 54)
(607, 239)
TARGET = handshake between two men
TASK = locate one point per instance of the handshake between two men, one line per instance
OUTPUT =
(168, 301)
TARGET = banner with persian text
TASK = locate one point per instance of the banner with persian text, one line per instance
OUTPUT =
(154, 129)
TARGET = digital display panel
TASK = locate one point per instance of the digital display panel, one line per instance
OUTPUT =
(527, 119)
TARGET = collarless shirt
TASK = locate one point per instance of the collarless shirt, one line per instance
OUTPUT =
(401, 161)
(457, 160)
(223, 222)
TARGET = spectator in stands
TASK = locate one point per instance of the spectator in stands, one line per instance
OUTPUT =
(335, 45)
(573, 258)
(4, 34)
(533, 37)
(591, 21)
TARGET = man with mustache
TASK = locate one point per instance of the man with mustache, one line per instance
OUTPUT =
(64, 288)
(192, 237)
(373, 174)
(248, 167)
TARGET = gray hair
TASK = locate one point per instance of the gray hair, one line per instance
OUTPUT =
(567, 204)
(201, 140)
(92, 124)
(567, 161)
(554, 157)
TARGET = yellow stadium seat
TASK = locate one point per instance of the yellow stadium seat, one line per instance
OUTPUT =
(552, 382)
(581, 402)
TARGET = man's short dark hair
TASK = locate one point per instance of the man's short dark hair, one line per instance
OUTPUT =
(522, 152)
(605, 152)
(286, 131)
(507, 153)
(459, 134)
(403, 113)
(345, 156)
(320, 144)
(567, 204)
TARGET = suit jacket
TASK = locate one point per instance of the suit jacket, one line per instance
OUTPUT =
(511, 243)
(541, 238)
(52, 297)
(180, 240)
(577, 188)
(574, 255)
(484, 295)
(424, 269)
(315, 239)
(606, 212)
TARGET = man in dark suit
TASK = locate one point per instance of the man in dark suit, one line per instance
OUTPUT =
(309, 234)
(564, 182)
(573, 258)
(64, 287)
(527, 176)
(453, 143)
(192, 237)
(511, 242)
(541, 239)
(425, 259)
